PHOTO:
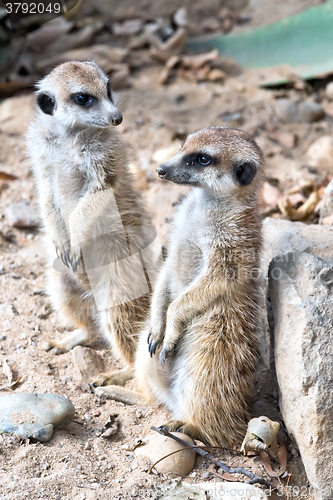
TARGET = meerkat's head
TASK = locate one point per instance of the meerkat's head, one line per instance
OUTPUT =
(223, 160)
(78, 94)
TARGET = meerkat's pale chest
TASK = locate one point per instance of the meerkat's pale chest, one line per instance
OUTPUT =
(187, 244)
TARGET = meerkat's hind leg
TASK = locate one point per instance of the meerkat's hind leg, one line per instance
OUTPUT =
(117, 377)
(121, 394)
(81, 336)
(181, 426)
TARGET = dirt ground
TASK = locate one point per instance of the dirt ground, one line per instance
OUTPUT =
(78, 464)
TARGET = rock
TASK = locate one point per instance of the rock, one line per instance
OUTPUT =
(127, 28)
(22, 215)
(320, 154)
(28, 415)
(16, 113)
(300, 289)
(326, 208)
(158, 446)
(309, 111)
(180, 17)
(329, 90)
(87, 364)
(290, 111)
(286, 139)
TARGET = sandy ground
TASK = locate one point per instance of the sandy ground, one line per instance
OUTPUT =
(78, 464)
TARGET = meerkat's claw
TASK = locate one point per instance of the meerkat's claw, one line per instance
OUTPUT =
(152, 348)
(76, 264)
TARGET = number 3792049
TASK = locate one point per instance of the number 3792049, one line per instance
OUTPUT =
(32, 8)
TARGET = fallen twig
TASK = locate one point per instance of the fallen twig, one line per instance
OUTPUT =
(238, 470)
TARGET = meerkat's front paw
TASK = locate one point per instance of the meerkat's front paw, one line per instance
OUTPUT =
(69, 255)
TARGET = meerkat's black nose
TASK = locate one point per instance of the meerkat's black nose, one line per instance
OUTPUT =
(161, 172)
(116, 118)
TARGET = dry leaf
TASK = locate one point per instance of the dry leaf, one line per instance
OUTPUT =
(7, 177)
(261, 433)
(304, 211)
(266, 461)
(10, 385)
(171, 47)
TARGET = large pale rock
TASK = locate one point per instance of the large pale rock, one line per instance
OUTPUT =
(300, 289)
(87, 364)
(158, 446)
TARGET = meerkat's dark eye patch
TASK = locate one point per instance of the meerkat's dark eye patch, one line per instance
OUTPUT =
(47, 103)
(84, 100)
(199, 160)
(245, 172)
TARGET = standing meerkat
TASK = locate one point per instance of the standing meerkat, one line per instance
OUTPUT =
(202, 331)
(93, 220)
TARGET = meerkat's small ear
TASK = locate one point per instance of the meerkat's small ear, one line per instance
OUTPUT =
(47, 103)
(245, 172)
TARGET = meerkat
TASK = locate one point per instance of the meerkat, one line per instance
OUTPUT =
(202, 330)
(93, 219)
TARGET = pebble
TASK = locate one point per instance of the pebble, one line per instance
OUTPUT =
(290, 111)
(320, 154)
(29, 415)
(158, 446)
(8, 310)
(22, 215)
(2, 337)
